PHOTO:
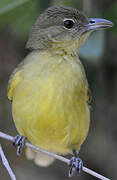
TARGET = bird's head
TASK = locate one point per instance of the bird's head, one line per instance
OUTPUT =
(63, 28)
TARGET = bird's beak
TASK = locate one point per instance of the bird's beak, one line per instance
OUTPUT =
(97, 24)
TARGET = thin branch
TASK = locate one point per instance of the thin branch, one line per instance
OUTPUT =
(11, 6)
(6, 164)
(93, 173)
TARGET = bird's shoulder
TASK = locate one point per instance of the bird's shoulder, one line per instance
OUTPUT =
(14, 80)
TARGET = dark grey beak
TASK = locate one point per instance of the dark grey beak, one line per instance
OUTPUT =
(97, 24)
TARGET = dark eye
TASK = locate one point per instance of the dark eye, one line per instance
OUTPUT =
(68, 23)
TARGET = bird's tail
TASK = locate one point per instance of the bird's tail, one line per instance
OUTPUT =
(39, 158)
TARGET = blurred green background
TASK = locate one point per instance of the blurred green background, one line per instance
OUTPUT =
(99, 56)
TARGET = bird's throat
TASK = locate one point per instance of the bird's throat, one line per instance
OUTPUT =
(70, 47)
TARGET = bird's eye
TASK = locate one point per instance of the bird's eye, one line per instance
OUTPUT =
(68, 23)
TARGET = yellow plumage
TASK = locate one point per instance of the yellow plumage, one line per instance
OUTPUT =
(49, 100)
(49, 90)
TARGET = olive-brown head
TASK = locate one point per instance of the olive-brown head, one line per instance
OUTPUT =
(60, 26)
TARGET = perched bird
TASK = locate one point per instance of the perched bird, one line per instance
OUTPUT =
(49, 89)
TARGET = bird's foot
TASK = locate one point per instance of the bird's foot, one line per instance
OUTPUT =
(19, 143)
(75, 165)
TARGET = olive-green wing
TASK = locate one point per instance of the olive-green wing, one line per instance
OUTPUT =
(14, 80)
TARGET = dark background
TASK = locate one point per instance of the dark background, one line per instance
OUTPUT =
(99, 56)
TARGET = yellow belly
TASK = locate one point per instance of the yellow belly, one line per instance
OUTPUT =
(50, 108)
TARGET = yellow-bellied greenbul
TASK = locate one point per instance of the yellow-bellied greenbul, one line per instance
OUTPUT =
(49, 89)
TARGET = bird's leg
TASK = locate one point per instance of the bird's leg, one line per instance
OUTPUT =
(19, 143)
(75, 164)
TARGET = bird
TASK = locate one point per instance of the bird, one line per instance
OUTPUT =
(49, 88)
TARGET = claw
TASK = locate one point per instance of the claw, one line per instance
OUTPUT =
(19, 143)
(75, 165)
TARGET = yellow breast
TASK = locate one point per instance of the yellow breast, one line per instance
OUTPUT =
(49, 101)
